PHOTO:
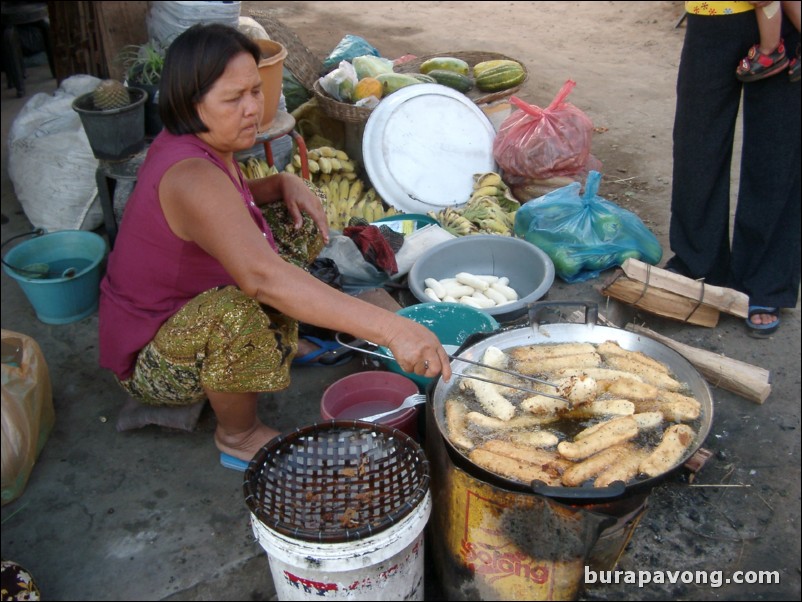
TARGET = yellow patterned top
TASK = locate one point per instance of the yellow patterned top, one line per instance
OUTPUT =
(714, 9)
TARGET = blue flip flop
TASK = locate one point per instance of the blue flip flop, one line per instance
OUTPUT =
(229, 461)
(763, 330)
(328, 353)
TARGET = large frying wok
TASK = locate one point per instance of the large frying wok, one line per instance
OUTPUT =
(589, 332)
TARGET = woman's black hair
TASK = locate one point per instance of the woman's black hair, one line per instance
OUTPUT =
(195, 61)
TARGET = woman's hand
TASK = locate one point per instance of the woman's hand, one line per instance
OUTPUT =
(418, 350)
(300, 199)
(294, 192)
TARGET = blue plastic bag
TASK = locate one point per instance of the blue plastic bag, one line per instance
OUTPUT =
(348, 49)
(585, 235)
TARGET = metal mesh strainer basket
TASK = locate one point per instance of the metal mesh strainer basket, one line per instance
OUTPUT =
(336, 481)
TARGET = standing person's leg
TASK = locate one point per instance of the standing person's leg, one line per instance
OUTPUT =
(708, 98)
(766, 239)
(792, 10)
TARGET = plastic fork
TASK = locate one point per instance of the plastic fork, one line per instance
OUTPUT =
(410, 402)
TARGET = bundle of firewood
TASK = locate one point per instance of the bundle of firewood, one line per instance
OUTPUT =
(673, 296)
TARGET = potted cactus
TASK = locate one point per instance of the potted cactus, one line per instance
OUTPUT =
(143, 65)
(113, 116)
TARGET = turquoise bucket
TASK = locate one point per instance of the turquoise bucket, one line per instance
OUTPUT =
(59, 272)
(453, 323)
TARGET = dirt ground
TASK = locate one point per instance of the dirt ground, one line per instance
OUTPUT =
(150, 515)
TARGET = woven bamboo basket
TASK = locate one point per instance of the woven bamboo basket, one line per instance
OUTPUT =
(342, 111)
(472, 57)
(336, 481)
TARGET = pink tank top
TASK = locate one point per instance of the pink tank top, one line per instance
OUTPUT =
(152, 273)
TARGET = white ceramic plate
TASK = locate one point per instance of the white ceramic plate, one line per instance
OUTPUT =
(422, 145)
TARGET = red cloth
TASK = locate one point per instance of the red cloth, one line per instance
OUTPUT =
(373, 246)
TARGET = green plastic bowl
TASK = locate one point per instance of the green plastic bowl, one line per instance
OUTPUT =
(453, 323)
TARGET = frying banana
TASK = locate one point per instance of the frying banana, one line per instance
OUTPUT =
(629, 388)
(612, 433)
(520, 463)
(597, 373)
(611, 348)
(540, 405)
(624, 469)
(456, 424)
(647, 373)
(644, 420)
(490, 398)
(676, 439)
(603, 407)
(592, 429)
(540, 352)
(673, 406)
(535, 438)
(578, 390)
(580, 472)
(494, 424)
(553, 364)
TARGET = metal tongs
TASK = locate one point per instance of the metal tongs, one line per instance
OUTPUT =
(355, 346)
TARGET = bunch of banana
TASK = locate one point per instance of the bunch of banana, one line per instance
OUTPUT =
(488, 216)
(452, 220)
(323, 160)
(490, 184)
(254, 168)
(347, 196)
(490, 210)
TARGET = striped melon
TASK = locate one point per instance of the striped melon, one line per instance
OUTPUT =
(499, 77)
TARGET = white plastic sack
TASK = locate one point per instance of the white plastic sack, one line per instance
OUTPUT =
(166, 20)
(50, 161)
(252, 28)
(357, 274)
(340, 83)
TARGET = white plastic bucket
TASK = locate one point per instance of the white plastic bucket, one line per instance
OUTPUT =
(385, 566)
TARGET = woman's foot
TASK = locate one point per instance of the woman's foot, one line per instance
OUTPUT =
(762, 320)
(313, 351)
(758, 65)
(244, 445)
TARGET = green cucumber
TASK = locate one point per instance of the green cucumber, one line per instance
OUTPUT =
(460, 83)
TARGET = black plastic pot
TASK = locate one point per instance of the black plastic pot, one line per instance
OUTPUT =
(153, 122)
(114, 134)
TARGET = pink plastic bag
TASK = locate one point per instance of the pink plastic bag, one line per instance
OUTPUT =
(544, 143)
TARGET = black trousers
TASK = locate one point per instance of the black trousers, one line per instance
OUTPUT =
(763, 258)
